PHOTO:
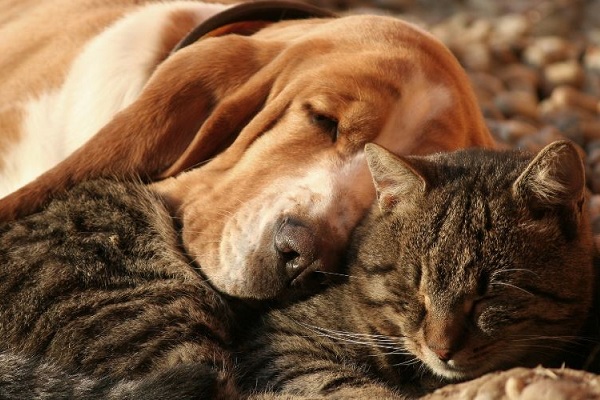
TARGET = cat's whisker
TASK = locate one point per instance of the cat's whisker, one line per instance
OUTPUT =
(398, 351)
(396, 347)
(540, 346)
(588, 339)
(512, 286)
(543, 350)
(365, 335)
(408, 363)
(558, 339)
(546, 339)
(346, 340)
(501, 271)
(362, 339)
(386, 342)
(336, 336)
(422, 369)
(334, 273)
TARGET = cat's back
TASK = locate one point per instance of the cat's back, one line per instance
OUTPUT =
(97, 282)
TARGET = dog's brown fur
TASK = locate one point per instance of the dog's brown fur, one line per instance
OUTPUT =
(281, 185)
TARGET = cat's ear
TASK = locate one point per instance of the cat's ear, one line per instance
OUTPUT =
(556, 176)
(396, 179)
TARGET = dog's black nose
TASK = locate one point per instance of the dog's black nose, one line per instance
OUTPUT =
(296, 246)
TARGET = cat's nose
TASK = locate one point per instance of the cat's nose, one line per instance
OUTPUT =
(443, 354)
(296, 245)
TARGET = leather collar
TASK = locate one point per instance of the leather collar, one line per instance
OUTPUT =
(247, 18)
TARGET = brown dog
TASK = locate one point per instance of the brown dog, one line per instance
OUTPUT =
(257, 130)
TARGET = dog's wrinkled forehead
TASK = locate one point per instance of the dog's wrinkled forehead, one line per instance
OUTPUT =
(355, 49)
(365, 31)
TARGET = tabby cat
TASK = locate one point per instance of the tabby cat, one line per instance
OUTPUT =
(473, 261)
(469, 262)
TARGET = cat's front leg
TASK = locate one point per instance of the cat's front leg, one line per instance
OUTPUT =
(372, 391)
(322, 379)
(309, 351)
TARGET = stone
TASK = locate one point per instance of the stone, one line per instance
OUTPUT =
(543, 137)
(511, 28)
(571, 97)
(563, 73)
(511, 131)
(518, 103)
(547, 50)
(520, 77)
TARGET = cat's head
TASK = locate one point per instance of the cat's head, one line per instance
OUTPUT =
(480, 260)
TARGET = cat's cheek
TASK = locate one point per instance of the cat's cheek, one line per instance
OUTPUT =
(475, 359)
(414, 348)
(416, 345)
(454, 369)
(419, 349)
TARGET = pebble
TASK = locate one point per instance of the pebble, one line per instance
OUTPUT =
(474, 56)
(540, 139)
(518, 103)
(520, 77)
(591, 58)
(511, 28)
(570, 97)
(512, 130)
(547, 50)
(563, 73)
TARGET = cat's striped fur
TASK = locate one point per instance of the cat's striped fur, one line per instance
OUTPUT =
(29, 377)
(96, 284)
(474, 261)
(470, 262)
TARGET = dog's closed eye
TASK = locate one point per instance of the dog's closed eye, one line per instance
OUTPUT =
(325, 122)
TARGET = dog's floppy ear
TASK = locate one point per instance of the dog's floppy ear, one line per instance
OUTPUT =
(193, 106)
(201, 84)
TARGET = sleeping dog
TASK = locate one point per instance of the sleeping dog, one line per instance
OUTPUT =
(250, 120)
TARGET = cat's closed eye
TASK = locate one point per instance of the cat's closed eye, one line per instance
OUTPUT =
(483, 283)
(480, 305)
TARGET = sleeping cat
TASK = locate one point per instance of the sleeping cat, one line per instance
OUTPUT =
(469, 262)
(473, 261)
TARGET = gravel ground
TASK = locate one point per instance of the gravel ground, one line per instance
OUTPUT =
(535, 67)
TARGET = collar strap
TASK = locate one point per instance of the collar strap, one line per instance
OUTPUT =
(247, 18)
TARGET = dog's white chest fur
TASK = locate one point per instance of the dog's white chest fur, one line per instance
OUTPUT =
(107, 76)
